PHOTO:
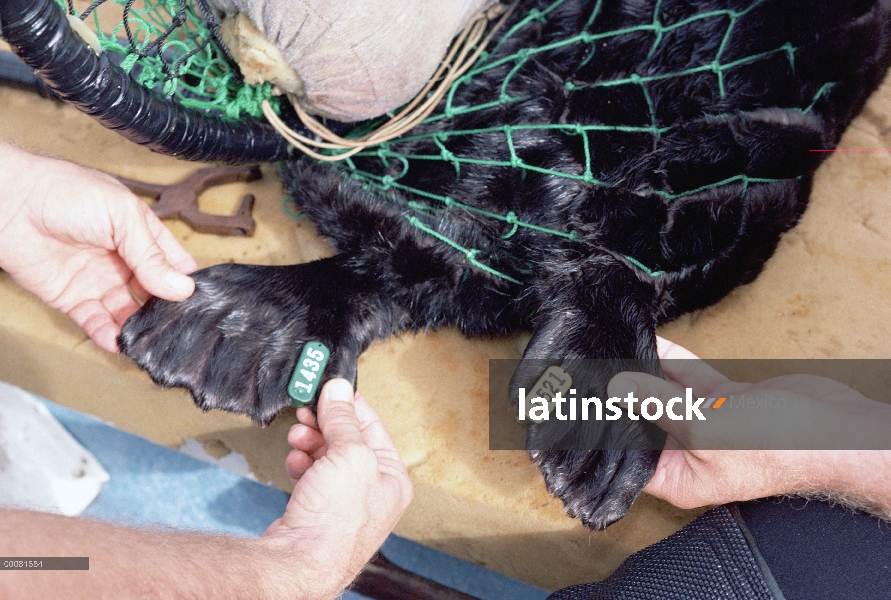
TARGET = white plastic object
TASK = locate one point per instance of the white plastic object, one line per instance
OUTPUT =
(41, 466)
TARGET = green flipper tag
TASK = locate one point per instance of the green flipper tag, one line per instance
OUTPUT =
(308, 373)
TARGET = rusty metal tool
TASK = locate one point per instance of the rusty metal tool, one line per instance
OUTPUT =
(180, 200)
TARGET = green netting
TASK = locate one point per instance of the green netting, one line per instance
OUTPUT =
(168, 46)
(421, 203)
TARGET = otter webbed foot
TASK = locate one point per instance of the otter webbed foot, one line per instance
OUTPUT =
(234, 343)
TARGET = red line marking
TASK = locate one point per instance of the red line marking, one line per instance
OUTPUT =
(854, 151)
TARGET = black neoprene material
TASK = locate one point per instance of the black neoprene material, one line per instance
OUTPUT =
(39, 33)
(818, 551)
(709, 559)
(779, 549)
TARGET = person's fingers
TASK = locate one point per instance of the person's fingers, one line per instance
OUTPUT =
(337, 415)
(671, 454)
(667, 349)
(297, 463)
(273, 526)
(303, 437)
(176, 255)
(306, 416)
(138, 290)
(97, 323)
(119, 303)
(101, 319)
(674, 480)
(106, 337)
(135, 243)
(644, 386)
(348, 463)
(681, 365)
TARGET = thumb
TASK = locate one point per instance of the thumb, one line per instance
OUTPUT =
(138, 246)
(643, 386)
(337, 414)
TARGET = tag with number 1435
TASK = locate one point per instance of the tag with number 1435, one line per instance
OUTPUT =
(308, 373)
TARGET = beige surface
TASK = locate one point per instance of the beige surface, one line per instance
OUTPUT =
(823, 295)
(826, 291)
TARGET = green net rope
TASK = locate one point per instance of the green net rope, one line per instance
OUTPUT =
(425, 203)
(166, 46)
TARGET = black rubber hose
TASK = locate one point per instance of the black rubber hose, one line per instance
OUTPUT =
(39, 33)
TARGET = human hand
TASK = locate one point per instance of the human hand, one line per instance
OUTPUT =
(350, 489)
(77, 238)
(690, 474)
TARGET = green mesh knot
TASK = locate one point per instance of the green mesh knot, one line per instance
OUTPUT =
(167, 46)
(426, 204)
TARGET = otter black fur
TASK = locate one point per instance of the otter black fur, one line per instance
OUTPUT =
(654, 238)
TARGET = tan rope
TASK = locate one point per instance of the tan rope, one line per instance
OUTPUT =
(463, 53)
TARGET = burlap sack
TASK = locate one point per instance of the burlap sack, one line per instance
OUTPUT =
(346, 59)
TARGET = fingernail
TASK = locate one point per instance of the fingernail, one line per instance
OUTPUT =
(621, 386)
(178, 281)
(339, 390)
